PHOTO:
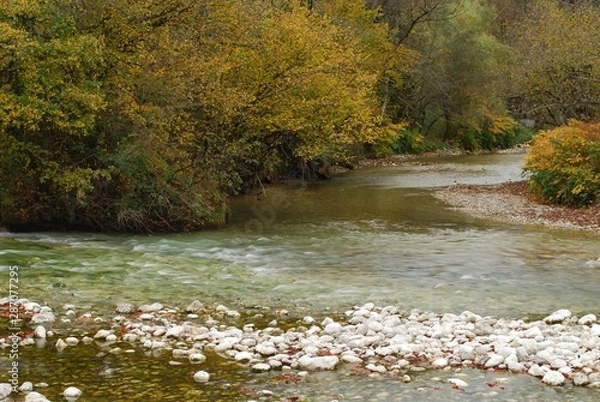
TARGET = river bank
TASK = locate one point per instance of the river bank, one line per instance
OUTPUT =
(508, 202)
(512, 202)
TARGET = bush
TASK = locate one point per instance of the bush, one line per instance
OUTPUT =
(564, 164)
(489, 132)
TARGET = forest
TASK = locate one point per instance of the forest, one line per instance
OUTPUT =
(146, 116)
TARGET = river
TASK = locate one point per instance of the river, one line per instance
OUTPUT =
(373, 234)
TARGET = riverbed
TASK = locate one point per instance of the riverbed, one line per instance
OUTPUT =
(371, 235)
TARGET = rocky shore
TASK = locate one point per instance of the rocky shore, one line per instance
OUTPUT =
(511, 202)
(560, 350)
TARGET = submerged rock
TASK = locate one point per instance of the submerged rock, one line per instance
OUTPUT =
(201, 376)
(72, 393)
(125, 308)
(458, 383)
(40, 332)
(35, 397)
(150, 308)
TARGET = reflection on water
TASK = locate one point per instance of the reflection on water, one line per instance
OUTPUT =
(370, 235)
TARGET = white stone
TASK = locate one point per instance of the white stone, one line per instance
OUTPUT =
(27, 386)
(197, 358)
(266, 349)
(375, 326)
(72, 393)
(533, 332)
(318, 362)
(175, 332)
(102, 334)
(439, 363)
(536, 371)
(111, 338)
(494, 361)
(194, 306)
(595, 330)
(71, 341)
(553, 378)
(308, 320)
(35, 397)
(260, 367)
(377, 368)
(243, 357)
(150, 308)
(333, 329)
(43, 316)
(587, 319)
(5, 390)
(60, 345)
(158, 345)
(351, 358)
(40, 332)
(201, 376)
(580, 379)
(458, 383)
(558, 316)
(513, 365)
(465, 352)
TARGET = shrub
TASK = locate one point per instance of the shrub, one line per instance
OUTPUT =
(564, 164)
(488, 132)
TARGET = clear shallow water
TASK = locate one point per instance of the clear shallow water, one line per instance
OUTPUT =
(369, 235)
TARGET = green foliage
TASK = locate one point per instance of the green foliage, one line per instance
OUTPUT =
(564, 164)
(490, 132)
(143, 116)
(554, 66)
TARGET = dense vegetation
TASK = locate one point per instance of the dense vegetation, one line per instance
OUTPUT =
(564, 164)
(143, 115)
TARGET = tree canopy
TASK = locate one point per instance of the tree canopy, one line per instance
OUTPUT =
(145, 115)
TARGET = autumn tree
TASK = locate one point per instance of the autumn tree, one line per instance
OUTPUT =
(554, 75)
(144, 115)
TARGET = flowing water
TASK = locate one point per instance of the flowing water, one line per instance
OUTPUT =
(369, 235)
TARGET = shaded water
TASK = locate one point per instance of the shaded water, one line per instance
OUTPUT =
(370, 235)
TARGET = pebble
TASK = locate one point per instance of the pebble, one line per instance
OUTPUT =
(102, 334)
(40, 332)
(259, 367)
(71, 341)
(553, 378)
(150, 308)
(557, 317)
(35, 397)
(125, 308)
(318, 362)
(5, 390)
(201, 376)
(72, 393)
(559, 349)
(458, 383)
(26, 386)
(60, 345)
(439, 363)
(197, 358)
